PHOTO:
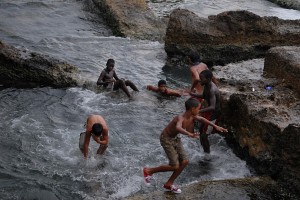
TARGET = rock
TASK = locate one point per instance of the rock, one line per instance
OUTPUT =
(25, 69)
(239, 189)
(284, 63)
(292, 4)
(227, 37)
(132, 19)
(265, 128)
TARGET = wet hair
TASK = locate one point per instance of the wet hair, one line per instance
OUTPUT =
(110, 61)
(97, 129)
(191, 103)
(161, 82)
(194, 57)
(207, 74)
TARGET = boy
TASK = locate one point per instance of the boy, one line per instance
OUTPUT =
(97, 129)
(212, 111)
(109, 79)
(171, 143)
(163, 90)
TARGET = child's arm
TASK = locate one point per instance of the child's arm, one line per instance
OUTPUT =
(152, 88)
(218, 128)
(171, 92)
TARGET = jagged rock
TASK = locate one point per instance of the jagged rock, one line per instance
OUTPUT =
(235, 189)
(129, 18)
(264, 124)
(293, 4)
(24, 69)
(227, 37)
(284, 63)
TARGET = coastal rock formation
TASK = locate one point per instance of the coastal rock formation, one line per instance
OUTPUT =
(247, 188)
(263, 115)
(292, 4)
(131, 18)
(284, 63)
(24, 69)
(227, 37)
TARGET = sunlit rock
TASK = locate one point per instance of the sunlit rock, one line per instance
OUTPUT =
(227, 37)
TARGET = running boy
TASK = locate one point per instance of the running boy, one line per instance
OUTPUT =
(184, 124)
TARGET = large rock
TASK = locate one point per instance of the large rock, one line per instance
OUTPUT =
(293, 4)
(227, 37)
(236, 189)
(284, 63)
(264, 122)
(131, 18)
(24, 69)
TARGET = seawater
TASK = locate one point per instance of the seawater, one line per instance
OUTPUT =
(40, 127)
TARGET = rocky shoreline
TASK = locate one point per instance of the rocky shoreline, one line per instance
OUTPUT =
(264, 123)
(292, 4)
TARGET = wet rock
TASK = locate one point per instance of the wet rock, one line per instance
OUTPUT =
(254, 188)
(227, 37)
(293, 4)
(284, 63)
(132, 19)
(23, 69)
(264, 124)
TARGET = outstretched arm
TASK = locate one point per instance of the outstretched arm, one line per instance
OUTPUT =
(218, 128)
(152, 88)
(173, 93)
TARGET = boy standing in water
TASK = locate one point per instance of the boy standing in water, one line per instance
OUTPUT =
(163, 90)
(171, 143)
(109, 79)
(212, 111)
(196, 68)
(97, 129)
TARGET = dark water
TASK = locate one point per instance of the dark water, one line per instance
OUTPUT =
(40, 127)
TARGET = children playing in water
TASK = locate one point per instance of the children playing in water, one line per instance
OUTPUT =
(97, 129)
(163, 90)
(171, 143)
(109, 79)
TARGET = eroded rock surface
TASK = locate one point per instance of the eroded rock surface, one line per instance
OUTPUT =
(25, 69)
(236, 189)
(293, 4)
(284, 63)
(227, 37)
(264, 121)
(132, 18)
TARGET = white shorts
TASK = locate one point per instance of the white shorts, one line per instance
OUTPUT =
(81, 140)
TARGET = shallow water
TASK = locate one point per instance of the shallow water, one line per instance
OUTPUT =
(40, 127)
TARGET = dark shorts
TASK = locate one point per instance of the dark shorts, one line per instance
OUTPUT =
(173, 148)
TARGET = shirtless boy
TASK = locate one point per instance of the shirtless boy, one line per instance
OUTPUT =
(171, 143)
(163, 90)
(212, 111)
(196, 68)
(97, 129)
(109, 79)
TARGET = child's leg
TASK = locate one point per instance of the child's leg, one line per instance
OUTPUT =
(176, 173)
(131, 85)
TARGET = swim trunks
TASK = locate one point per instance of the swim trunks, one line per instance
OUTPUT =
(173, 148)
(81, 140)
